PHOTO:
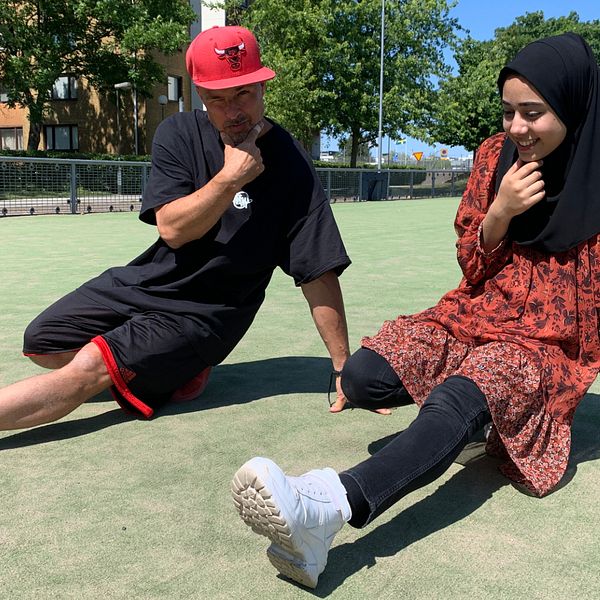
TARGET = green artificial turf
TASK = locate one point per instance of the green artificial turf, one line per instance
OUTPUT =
(100, 505)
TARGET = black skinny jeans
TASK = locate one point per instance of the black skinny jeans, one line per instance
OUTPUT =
(453, 412)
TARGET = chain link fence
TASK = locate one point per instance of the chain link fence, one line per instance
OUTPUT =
(32, 186)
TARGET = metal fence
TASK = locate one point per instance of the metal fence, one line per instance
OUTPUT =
(357, 185)
(44, 186)
(31, 186)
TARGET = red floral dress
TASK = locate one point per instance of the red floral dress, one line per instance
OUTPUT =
(522, 324)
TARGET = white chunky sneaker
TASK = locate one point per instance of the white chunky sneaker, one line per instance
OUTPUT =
(300, 515)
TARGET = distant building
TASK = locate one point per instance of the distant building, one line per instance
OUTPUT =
(83, 119)
(328, 155)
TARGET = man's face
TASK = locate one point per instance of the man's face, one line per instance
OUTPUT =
(234, 111)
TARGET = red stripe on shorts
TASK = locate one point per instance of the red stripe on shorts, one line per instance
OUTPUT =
(117, 379)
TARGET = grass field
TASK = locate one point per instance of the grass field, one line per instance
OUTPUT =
(103, 506)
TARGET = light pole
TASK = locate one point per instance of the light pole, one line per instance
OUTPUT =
(118, 126)
(162, 100)
(127, 85)
(381, 85)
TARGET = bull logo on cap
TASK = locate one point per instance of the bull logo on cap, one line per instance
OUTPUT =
(233, 55)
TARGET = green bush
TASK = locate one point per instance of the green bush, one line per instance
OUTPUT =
(75, 155)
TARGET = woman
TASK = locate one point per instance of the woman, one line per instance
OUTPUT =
(516, 345)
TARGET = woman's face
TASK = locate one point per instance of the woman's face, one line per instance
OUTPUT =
(529, 121)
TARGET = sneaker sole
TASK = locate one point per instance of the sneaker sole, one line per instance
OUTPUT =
(290, 566)
(254, 502)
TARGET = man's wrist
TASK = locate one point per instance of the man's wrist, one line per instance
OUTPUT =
(226, 185)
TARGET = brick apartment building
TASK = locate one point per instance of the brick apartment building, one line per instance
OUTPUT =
(81, 118)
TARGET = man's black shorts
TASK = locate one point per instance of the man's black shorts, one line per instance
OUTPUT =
(148, 355)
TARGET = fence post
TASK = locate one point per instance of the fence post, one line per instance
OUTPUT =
(411, 184)
(433, 184)
(73, 199)
(387, 186)
(329, 186)
(360, 174)
(119, 180)
(144, 177)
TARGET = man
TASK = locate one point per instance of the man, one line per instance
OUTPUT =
(233, 196)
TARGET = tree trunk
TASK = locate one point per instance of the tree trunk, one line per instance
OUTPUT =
(35, 106)
(35, 133)
(354, 149)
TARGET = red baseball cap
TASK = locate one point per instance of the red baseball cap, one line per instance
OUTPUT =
(225, 57)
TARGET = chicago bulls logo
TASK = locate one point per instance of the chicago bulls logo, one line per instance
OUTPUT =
(232, 55)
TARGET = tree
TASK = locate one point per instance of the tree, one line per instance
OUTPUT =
(293, 37)
(107, 41)
(327, 56)
(468, 107)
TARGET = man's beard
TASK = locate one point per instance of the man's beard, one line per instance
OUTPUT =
(237, 137)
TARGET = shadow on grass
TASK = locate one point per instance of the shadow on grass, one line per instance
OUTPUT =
(229, 384)
(585, 440)
(63, 430)
(241, 383)
(454, 500)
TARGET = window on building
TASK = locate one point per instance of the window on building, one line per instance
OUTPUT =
(65, 88)
(174, 88)
(11, 138)
(64, 39)
(61, 137)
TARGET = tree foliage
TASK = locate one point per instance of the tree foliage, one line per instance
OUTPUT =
(327, 57)
(107, 41)
(468, 108)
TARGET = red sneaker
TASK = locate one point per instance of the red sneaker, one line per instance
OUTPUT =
(193, 388)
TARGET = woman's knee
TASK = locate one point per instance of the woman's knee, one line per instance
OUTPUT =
(355, 384)
(459, 399)
(368, 381)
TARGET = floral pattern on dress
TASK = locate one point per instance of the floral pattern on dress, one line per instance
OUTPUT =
(522, 324)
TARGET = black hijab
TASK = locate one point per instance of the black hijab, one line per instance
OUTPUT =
(564, 71)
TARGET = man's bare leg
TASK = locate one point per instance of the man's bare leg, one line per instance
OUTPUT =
(53, 361)
(50, 396)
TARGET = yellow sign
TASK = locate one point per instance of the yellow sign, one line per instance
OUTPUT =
(418, 155)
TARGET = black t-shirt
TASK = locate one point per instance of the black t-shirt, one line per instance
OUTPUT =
(282, 218)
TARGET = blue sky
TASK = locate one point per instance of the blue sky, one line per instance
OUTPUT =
(481, 18)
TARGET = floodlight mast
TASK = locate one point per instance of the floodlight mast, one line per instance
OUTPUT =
(381, 85)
